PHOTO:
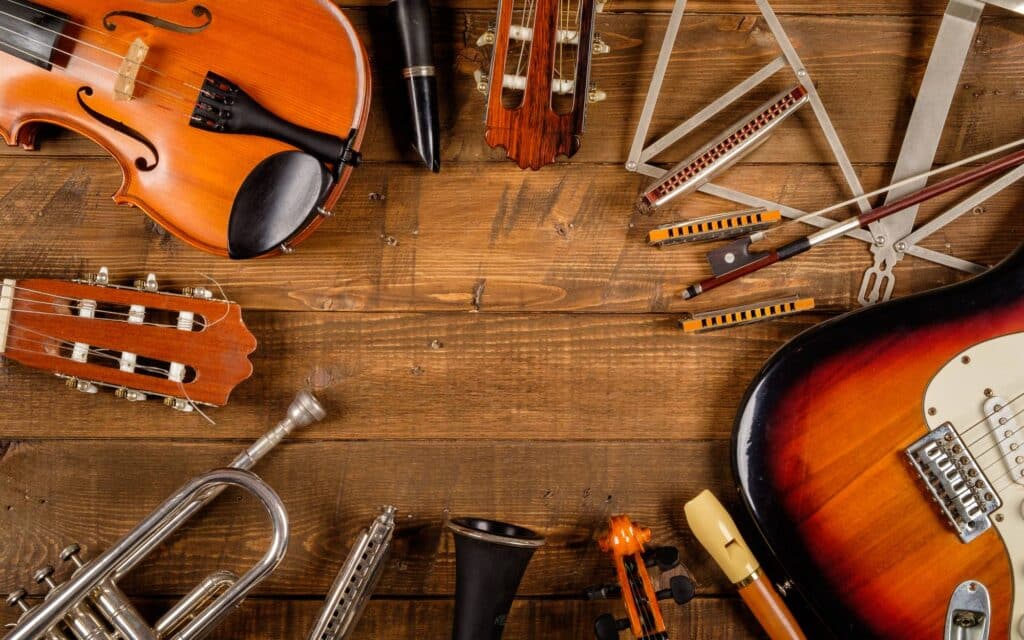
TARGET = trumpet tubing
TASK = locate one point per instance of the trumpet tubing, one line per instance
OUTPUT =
(90, 606)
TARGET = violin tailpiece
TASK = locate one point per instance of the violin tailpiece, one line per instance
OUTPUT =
(224, 107)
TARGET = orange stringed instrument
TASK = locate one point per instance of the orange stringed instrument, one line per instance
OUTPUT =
(626, 541)
(187, 349)
(236, 124)
(539, 83)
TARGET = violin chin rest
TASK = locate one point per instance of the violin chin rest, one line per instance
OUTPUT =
(277, 201)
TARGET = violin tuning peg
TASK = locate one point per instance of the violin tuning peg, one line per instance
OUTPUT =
(665, 558)
(149, 284)
(681, 590)
(604, 592)
(179, 404)
(606, 627)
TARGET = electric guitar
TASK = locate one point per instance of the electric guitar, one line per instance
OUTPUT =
(186, 349)
(881, 457)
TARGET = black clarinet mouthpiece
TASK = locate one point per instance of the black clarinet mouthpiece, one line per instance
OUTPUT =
(412, 21)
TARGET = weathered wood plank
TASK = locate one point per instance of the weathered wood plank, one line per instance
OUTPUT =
(458, 376)
(868, 68)
(57, 492)
(702, 619)
(475, 238)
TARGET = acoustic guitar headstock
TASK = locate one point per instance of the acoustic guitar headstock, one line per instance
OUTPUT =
(639, 590)
(187, 349)
(539, 86)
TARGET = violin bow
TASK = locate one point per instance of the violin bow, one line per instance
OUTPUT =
(735, 260)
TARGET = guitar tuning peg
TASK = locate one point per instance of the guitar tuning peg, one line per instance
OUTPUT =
(487, 38)
(149, 284)
(596, 95)
(600, 46)
(197, 292)
(131, 395)
(101, 277)
(482, 81)
(82, 386)
(179, 405)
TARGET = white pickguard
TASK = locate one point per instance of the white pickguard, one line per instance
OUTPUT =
(957, 394)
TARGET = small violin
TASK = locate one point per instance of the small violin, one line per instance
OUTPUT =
(236, 124)
(626, 541)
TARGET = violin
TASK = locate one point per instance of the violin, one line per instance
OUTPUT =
(186, 349)
(626, 541)
(236, 124)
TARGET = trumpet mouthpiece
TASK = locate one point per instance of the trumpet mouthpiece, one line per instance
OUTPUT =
(305, 410)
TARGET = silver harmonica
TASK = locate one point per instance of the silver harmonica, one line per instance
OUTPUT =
(739, 140)
(356, 580)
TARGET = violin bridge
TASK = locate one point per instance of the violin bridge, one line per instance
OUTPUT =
(127, 75)
(716, 227)
(712, 320)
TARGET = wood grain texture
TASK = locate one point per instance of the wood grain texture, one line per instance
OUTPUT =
(476, 238)
(867, 69)
(290, 619)
(565, 491)
(487, 341)
(459, 376)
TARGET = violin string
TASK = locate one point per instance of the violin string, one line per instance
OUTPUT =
(639, 598)
(93, 63)
(177, 97)
(96, 47)
(49, 14)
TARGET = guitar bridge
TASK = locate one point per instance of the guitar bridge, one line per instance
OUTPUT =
(955, 481)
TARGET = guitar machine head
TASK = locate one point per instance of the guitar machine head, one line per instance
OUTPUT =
(186, 349)
(640, 593)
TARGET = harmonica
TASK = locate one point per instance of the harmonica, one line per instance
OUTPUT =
(712, 320)
(739, 140)
(716, 227)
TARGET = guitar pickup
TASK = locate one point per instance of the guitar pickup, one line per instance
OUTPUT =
(716, 227)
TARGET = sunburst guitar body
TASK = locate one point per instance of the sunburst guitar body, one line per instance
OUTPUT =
(881, 457)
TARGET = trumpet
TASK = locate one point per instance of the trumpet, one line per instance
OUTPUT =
(91, 606)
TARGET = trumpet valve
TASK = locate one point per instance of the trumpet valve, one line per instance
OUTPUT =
(17, 599)
(45, 576)
(71, 553)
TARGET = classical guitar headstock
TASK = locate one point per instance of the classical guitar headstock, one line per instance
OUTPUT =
(539, 86)
(187, 349)
(639, 591)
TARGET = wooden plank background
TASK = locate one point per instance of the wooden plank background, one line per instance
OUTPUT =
(488, 341)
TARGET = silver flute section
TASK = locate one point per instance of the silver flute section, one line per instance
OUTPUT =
(91, 606)
(356, 580)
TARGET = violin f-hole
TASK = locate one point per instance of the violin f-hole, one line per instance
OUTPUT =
(198, 11)
(140, 163)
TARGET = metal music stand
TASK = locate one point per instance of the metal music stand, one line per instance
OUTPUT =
(889, 239)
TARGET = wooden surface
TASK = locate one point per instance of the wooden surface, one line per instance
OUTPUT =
(488, 341)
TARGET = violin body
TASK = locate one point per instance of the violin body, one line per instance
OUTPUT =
(300, 60)
(879, 455)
